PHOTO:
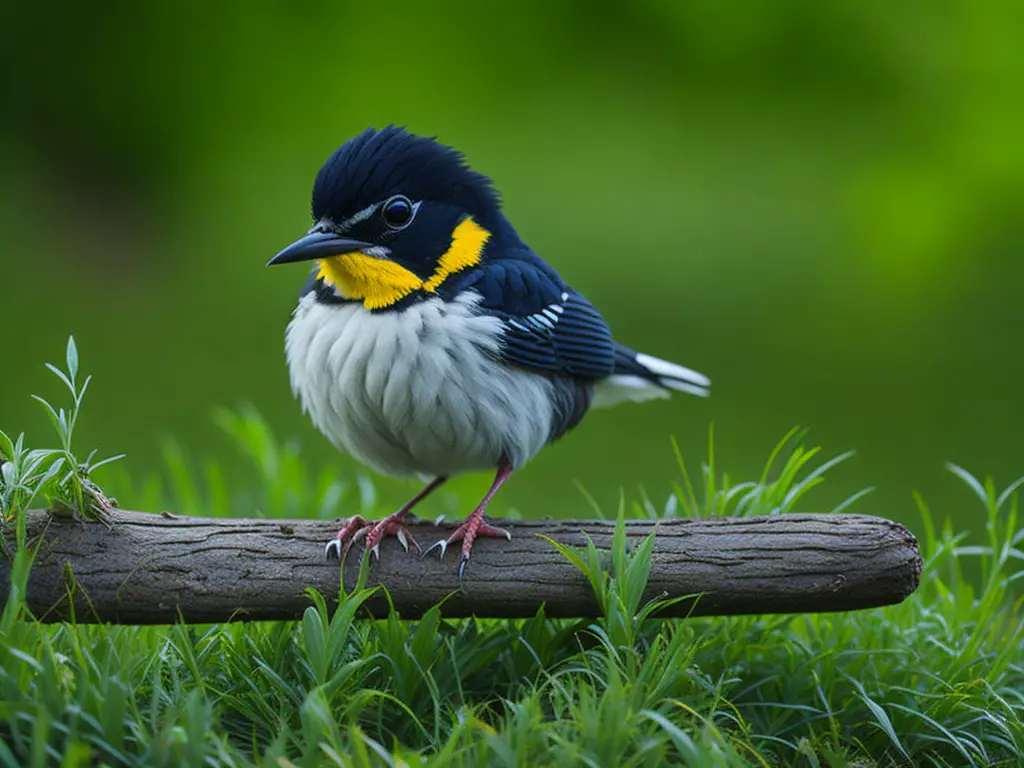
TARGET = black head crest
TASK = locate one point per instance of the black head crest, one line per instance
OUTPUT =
(376, 164)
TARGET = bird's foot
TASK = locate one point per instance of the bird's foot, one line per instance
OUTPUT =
(354, 528)
(473, 527)
(358, 527)
(392, 525)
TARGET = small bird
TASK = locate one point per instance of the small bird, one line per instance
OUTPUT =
(430, 340)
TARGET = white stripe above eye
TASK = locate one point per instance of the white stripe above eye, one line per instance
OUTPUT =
(351, 221)
(358, 216)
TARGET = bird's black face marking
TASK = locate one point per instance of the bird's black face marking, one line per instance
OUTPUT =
(419, 212)
(413, 234)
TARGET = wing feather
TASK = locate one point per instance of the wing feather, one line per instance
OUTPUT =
(547, 325)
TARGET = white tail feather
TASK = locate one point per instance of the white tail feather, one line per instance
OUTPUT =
(620, 388)
(682, 386)
(623, 388)
(665, 369)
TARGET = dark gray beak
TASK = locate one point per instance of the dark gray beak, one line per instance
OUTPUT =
(317, 245)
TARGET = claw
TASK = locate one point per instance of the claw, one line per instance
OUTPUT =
(412, 540)
(490, 530)
(442, 543)
(333, 548)
(402, 539)
(440, 519)
(360, 534)
(462, 565)
(375, 552)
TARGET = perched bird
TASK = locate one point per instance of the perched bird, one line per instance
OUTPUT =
(430, 340)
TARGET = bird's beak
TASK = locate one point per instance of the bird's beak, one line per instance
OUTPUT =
(317, 245)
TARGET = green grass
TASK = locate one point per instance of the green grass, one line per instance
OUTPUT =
(937, 680)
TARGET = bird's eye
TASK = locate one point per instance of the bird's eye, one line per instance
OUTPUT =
(398, 212)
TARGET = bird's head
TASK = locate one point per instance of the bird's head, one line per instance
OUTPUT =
(396, 215)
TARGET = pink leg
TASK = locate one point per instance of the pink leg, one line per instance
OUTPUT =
(474, 525)
(393, 525)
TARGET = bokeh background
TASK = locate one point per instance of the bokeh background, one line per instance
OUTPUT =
(819, 205)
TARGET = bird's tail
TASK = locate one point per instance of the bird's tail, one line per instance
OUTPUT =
(640, 377)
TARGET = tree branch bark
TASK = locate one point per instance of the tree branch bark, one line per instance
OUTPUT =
(147, 568)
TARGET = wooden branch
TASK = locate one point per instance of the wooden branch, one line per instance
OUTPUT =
(148, 567)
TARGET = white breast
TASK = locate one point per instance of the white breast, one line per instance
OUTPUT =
(416, 391)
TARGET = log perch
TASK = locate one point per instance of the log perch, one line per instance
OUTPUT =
(153, 568)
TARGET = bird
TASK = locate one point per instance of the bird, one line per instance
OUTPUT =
(429, 340)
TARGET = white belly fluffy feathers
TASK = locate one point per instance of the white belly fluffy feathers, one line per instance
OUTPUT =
(417, 391)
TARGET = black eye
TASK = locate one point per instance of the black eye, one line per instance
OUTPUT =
(398, 212)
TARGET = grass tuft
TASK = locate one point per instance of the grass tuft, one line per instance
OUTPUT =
(54, 476)
(778, 489)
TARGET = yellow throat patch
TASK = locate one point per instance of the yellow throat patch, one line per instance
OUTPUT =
(379, 283)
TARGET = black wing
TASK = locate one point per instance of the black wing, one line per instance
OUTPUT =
(547, 325)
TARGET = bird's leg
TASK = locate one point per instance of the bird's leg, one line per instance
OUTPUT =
(393, 525)
(474, 525)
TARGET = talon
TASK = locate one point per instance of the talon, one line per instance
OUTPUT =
(440, 519)
(402, 539)
(412, 540)
(490, 530)
(442, 543)
(375, 551)
(462, 565)
(360, 534)
(333, 548)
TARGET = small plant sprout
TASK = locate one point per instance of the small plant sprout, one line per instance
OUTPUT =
(54, 476)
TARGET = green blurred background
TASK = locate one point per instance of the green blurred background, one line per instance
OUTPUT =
(818, 205)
